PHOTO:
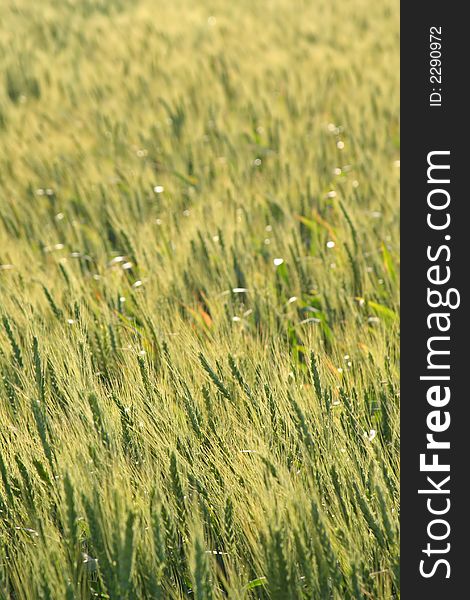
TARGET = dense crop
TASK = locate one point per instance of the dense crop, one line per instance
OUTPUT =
(199, 299)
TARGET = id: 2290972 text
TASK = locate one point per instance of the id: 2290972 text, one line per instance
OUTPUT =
(435, 66)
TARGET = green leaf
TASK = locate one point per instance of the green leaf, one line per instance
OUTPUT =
(387, 314)
(388, 263)
(256, 583)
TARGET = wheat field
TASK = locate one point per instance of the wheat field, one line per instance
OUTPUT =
(199, 300)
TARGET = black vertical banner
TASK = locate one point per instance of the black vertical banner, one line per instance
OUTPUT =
(435, 330)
